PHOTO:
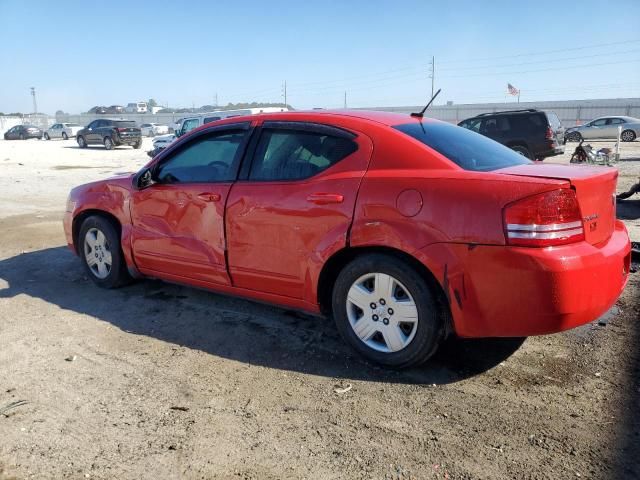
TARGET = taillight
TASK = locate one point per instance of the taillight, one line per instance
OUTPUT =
(549, 134)
(544, 220)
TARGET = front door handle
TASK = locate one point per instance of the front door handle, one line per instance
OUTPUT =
(209, 197)
(325, 198)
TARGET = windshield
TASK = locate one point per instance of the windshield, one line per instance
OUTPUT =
(465, 148)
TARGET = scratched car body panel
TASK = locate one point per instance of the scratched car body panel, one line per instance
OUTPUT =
(293, 203)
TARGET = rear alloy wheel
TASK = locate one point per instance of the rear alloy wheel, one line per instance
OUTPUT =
(108, 143)
(65, 136)
(101, 253)
(46, 136)
(628, 136)
(81, 142)
(524, 151)
(387, 311)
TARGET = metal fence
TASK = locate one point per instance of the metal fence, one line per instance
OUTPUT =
(39, 120)
(570, 112)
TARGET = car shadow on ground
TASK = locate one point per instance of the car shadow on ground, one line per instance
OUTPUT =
(628, 209)
(230, 327)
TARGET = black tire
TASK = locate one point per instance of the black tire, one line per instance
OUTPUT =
(628, 136)
(118, 274)
(524, 151)
(47, 137)
(82, 143)
(574, 137)
(65, 136)
(137, 145)
(429, 330)
(108, 143)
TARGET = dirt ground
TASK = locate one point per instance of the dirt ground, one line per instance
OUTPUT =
(161, 381)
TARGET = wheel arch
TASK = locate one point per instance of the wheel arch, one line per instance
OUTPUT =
(341, 258)
(82, 216)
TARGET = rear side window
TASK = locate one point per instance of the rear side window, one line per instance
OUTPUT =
(296, 154)
(554, 121)
(124, 124)
(211, 119)
(472, 124)
(468, 150)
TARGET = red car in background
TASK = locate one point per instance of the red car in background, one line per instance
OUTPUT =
(404, 229)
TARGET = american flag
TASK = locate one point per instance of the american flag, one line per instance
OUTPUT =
(512, 90)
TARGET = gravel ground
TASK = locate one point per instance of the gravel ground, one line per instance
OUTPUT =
(162, 381)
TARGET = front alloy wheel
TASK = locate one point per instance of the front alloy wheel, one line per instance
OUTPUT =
(97, 253)
(99, 249)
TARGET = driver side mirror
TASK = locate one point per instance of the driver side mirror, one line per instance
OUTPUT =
(143, 179)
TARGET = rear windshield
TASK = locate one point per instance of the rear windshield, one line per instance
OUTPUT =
(124, 123)
(465, 148)
(72, 124)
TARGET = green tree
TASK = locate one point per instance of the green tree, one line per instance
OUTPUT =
(152, 103)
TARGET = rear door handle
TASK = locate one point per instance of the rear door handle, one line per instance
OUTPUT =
(325, 198)
(209, 197)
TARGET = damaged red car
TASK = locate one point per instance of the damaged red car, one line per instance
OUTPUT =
(404, 229)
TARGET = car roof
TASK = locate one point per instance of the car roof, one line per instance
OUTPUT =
(374, 116)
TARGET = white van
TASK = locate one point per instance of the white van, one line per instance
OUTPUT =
(189, 123)
(137, 107)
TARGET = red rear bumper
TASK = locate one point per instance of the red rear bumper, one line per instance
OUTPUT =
(501, 291)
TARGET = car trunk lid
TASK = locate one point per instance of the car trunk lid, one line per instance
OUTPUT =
(595, 189)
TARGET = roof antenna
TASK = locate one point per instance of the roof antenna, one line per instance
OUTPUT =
(421, 114)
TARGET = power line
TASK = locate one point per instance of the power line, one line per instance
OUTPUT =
(537, 62)
(572, 49)
(542, 69)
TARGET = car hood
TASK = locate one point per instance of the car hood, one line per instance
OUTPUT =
(120, 181)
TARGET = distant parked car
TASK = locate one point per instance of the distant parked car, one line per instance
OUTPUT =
(110, 133)
(163, 141)
(22, 132)
(605, 127)
(115, 109)
(153, 129)
(62, 130)
(533, 133)
(99, 110)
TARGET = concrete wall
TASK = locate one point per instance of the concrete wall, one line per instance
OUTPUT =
(42, 121)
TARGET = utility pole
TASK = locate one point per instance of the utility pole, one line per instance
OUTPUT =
(216, 99)
(284, 92)
(433, 74)
(345, 99)
(35, 104)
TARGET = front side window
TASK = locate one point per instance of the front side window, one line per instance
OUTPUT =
(206, 159)
(189, 125)
(599, 123)
(468, 150)
(297, 154)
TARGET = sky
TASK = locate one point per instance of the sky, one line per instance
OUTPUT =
(184, 53)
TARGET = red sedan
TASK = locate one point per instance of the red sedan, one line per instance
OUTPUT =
(404, 229)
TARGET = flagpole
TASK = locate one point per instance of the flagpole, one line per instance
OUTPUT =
(518, 96)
